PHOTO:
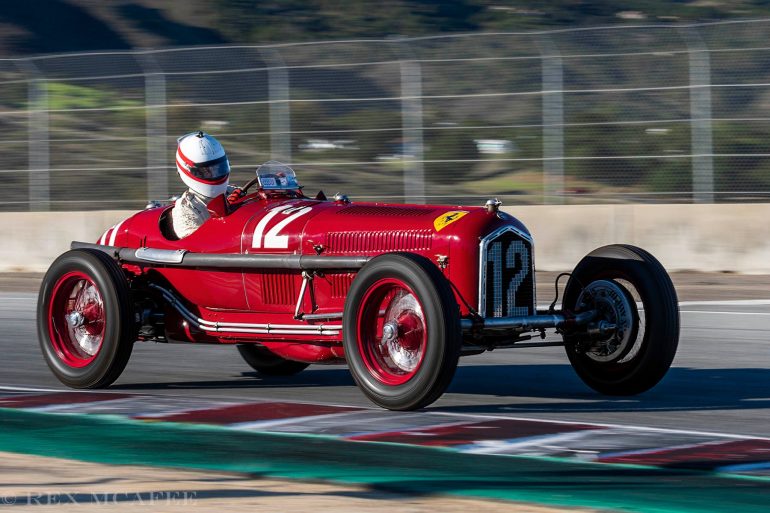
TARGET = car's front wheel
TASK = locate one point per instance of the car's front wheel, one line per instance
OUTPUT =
(84, 319)
(635, 336)
(401, 331)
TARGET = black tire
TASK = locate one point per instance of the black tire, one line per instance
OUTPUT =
(119, 331)
(439, 316)
(269, 364)
(655, 348)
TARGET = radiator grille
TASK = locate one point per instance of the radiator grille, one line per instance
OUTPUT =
(379, 242)
(507, 276)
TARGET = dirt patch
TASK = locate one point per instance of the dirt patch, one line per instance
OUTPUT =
(32, 482)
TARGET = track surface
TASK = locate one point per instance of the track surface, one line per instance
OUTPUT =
(720, 381)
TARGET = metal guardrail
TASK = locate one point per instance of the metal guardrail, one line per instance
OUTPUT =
(609, 114)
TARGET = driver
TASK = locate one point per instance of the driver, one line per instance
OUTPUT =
(203, 166)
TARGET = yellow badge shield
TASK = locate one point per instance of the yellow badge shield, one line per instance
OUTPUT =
(448, 218)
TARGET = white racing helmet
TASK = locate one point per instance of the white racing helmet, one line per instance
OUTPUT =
(202, 164)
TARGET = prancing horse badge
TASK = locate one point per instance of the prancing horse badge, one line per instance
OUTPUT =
(448, 218)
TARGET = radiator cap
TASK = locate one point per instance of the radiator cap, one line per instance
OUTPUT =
(493, 205)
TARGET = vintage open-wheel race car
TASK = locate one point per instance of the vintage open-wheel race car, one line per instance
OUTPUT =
(400, 292)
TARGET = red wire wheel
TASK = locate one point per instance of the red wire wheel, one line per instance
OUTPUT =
(401, 328)
(392, 333)
(85, 320)
(76, 319)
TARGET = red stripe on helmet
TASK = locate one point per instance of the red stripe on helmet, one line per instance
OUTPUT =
(184, 158)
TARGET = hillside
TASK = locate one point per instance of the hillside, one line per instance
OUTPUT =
(49, 26)
(627, 106)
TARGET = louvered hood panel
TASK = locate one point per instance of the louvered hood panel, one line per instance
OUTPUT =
(371, 229)
(379, 241)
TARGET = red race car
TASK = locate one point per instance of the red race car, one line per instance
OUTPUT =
(400, 292)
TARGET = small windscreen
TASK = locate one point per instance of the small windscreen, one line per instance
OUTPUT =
(276, 176)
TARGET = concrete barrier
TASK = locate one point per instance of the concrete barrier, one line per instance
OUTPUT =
(722, 237)
(30, 241)
(719, 237)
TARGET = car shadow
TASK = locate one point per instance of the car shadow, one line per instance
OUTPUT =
(534, 388)
(561, 390)
(310, 378)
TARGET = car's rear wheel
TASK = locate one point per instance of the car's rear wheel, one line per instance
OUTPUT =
(401, 331)
(632, 292)
(84, 320)
(267, 363)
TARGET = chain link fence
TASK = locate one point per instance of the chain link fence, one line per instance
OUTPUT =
(656, 113)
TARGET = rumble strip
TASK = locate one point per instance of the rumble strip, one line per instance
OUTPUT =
(471, 434)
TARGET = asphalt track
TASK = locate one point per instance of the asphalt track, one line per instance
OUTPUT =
(719, 383)
(709, 414)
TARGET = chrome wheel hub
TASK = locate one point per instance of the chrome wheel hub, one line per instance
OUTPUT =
(84, 321)
(75, 319)
(613, 330)
(402, 332)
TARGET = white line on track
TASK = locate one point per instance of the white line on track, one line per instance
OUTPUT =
(495, 446)
(53, 408)
(734, 302)
(267, 424)
(601, 424)
(33, 389)
(712, 312)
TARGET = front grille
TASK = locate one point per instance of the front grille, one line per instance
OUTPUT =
(507, 275)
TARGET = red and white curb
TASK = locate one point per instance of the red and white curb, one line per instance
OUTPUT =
(474, 434)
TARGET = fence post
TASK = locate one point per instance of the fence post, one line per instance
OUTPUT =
(155, 127)
(39, 160)
(553, 121)
(700, 114)
(280, 111)
(411, 125)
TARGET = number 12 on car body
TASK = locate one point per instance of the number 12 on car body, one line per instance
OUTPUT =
(272, 239)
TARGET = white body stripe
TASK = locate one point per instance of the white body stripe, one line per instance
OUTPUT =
(275, 241)
(272, 239)
(115, 231)
(260, 229)
(104, 237)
